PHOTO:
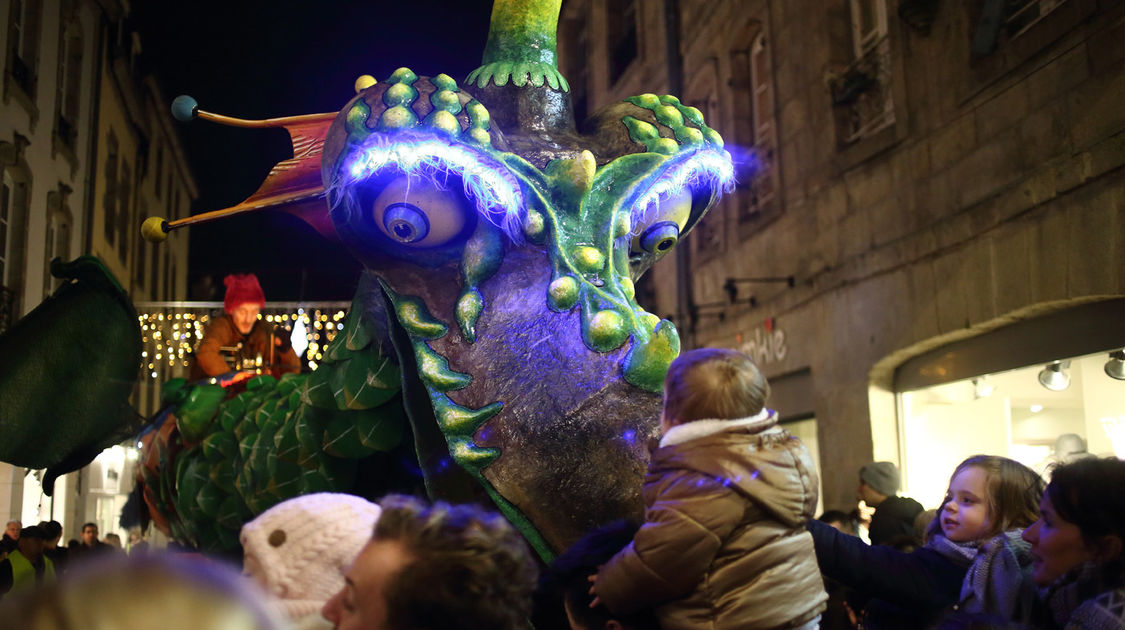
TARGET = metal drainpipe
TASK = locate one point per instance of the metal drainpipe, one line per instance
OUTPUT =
(675, 66)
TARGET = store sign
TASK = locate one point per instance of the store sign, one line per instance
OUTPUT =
(766, 345)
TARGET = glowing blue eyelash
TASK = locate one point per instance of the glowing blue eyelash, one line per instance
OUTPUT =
(496, 193)
(703, 169)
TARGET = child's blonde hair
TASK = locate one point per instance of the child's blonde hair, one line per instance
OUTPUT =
(713, 383)
(1013, 494)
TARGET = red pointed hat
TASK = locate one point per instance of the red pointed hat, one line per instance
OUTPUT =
(242, 288)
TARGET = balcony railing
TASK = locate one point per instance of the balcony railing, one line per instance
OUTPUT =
(863, 91)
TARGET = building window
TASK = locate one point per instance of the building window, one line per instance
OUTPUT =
(124, 216)
(69, 86)
(7, 206)
(756, 129)
(1021, 14)
(861, 91)
(23, 44)
(621, 29)
(109, 219)
(14, 206)
(159, 170)
(139, 253)
(1006, 20)
(58, 237)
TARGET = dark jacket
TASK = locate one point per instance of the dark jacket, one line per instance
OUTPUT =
(894, 517)
(909, 590)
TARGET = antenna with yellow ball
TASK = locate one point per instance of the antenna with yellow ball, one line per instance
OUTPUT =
(292, 185)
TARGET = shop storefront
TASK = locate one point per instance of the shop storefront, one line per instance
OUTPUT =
(1037, 390)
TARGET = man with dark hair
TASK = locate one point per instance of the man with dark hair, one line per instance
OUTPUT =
(566, 586)
(26, 566)
(90, 546)
(894, 515)
(57, 554)
(430, 567)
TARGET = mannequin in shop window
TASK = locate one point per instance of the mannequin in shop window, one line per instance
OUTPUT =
(240, 342)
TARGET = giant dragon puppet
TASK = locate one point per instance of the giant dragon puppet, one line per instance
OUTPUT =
(494, 341)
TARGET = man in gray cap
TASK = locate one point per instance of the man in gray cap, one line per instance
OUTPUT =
(894, 515)
(26, 566)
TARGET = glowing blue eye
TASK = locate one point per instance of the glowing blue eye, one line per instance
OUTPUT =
(406, 222)
(660, 237)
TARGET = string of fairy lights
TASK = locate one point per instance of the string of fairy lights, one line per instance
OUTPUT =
(170, 334)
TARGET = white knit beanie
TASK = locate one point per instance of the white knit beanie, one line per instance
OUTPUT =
(303, 547)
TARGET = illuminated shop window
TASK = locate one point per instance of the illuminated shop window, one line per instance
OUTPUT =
(1013, 414)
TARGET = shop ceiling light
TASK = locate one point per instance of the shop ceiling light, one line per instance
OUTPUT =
(1054, 376)
(982, 388)
(1115, 367)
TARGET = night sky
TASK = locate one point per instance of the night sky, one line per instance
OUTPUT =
(254, 59)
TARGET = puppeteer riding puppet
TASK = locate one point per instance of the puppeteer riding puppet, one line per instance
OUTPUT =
(494, 341)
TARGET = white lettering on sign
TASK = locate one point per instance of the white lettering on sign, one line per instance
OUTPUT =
(765, 346)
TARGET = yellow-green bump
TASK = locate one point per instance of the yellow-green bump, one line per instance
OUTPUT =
(416, 319)
(534, 225)
(588, 259)
(563, 293)
(356, 120)
(667, 146)
(457, 420)
(444, 82)
(402, 75)
(668, 99)
(446, 100)
(607, 331)
(647, 101)
(399, 94)
(478, 114)
(445, 122)
(713, 137)
(639, 130)
(469, 307)
(692, 114)
(435, 371)
(647, 363)
(689, 135)
(467, 454)
(479, 136)
(666, 115)
(622, 224)
(397, 117)
(650, 320)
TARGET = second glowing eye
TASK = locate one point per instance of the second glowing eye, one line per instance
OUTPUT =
(660, 237)
(406, 222)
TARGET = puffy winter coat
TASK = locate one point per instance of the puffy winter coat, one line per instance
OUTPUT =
(723, 545)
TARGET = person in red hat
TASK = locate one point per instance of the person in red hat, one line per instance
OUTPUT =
(240, 342)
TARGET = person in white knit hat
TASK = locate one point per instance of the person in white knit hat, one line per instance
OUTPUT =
(299, 549)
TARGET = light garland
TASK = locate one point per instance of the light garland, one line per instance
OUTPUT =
(169, 336)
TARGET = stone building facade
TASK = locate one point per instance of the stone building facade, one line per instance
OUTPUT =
(930, 195)
(87, 151)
